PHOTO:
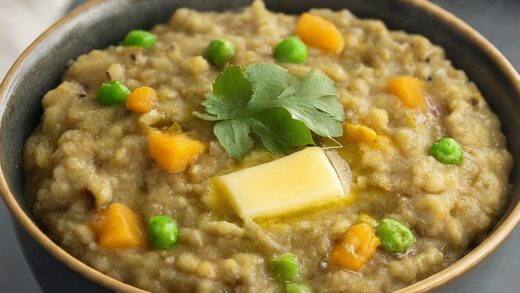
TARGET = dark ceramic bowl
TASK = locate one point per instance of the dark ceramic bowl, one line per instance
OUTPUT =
(98, 24)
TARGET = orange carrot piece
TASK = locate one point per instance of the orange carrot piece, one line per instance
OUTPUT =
(409, 90)
(355, 248)
(119, 227)
(141, 100)
(318, 32)
(174, 152)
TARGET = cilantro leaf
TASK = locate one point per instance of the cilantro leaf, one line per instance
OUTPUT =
(233, 135)
(279, 132)
(268, 81)
(230, 95)
(317, 121)
(314, 101)
(319, 91)
(278, 107)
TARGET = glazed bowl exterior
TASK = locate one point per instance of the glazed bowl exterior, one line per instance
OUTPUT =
(98, 24)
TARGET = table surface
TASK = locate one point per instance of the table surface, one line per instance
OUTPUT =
(497, 20)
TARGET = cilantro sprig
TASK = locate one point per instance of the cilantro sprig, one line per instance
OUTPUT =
(279, 108)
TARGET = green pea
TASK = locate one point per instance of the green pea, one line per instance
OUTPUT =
(297, 288)
(112, 93)
(394, 236)
(447, 151)
(286, 268)
(140, 38)
(291, 50)
(163, 232)
(219, 52)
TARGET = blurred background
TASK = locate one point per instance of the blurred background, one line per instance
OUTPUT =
(498, 20)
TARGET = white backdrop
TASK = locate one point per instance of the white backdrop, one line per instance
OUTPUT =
(21, 21)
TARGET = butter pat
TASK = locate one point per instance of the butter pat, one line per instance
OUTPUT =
(292, 183)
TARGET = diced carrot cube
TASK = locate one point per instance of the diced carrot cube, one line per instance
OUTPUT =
(141, 100)
(409, 90)
(355, 248)
(174, 152)
(118, 227)
(359, 134)
(318, 32)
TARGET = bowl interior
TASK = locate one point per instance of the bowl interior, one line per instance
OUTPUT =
(107, 22)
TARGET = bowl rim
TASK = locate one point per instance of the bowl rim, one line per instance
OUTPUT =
(450, 273)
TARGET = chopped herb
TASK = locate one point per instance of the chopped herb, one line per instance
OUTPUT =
(279, 108)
